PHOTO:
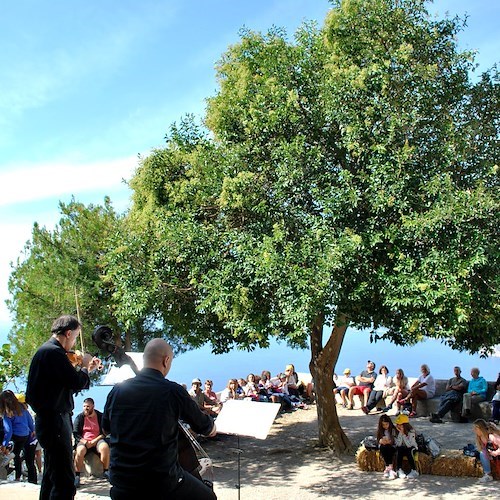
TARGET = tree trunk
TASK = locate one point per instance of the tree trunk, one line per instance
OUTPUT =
(323, 361)
(128, 341)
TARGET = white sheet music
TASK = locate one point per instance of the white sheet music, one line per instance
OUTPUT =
(246, 418)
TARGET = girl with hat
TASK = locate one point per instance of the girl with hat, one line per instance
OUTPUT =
(406, 446)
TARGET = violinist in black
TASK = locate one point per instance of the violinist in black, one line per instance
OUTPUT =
(52, 381)
(141, 415)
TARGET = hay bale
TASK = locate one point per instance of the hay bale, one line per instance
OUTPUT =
(369, 460)
(424, 463)
(456, 464)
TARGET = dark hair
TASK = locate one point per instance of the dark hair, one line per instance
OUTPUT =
(65, 323)
(383, 366)
(9, 405)
(381, 430)
(89, 400)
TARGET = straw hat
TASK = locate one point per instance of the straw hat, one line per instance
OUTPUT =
(347, 371)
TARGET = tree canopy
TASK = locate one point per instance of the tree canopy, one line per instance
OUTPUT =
(347, 177)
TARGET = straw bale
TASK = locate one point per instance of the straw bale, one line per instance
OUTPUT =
(455, 463)
(369, 460)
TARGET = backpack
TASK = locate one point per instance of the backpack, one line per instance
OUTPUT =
(433, 447)
(470, 451)
(370, 443)
(422, 447)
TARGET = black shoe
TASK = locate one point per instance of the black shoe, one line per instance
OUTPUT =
(463, 420)
(435, 420)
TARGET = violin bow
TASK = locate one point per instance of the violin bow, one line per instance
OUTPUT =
(78, 317)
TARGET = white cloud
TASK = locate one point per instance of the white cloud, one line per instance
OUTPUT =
(32, 182)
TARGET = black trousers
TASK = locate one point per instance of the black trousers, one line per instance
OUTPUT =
(189, 488)
(54, 433)
(21, 443)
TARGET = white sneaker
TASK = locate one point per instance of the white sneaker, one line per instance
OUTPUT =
(401, 474)
(486, 478)
(412, 474)
(392, 474)
(386, 473)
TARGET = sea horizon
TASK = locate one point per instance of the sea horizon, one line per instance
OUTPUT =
(355, 352)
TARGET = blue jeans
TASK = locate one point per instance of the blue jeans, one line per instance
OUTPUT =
(484, 457)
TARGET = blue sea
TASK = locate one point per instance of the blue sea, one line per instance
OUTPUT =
(355, 352)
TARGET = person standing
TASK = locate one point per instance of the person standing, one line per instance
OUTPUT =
(18, 425)
(141, 416)
(89, 437)
(52, 381)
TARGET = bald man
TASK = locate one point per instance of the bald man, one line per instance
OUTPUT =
(141, 415)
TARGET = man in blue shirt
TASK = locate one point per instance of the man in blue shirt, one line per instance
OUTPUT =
(476, 392)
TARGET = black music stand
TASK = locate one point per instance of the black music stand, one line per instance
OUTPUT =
(246, 418)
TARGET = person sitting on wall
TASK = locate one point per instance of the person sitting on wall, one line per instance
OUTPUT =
(423, 388)
(89, 437)
(365, 381)
(476, 392)
(344, 383)
(453, 395)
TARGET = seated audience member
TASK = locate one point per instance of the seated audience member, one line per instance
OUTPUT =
(381, 384)
(495, 402)
(399, 390)
(242, 383)
(230, 392)
(205, 404)
(386, 436)
(406, 446)
(343, 383)
(365, 381)
(488, 444)
(423, 388)
(476, 392)
(453, 394)
(292, 380)
(251, 389)
(208, 391)
(89, 437)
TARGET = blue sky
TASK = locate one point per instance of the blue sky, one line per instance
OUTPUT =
(86, 86)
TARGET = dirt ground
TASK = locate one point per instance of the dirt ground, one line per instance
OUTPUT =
(289, 466)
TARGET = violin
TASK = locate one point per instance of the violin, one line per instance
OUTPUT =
(76, 359)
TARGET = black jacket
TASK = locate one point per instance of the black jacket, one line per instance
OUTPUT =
(52, 380)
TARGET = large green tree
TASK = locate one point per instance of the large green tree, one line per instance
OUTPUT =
(347, 178)
(60, 272)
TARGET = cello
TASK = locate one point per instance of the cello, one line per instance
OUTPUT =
(188, 446)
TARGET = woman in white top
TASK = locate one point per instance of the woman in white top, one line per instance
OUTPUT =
(230, 392)
(381, 384)
(423, 388)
